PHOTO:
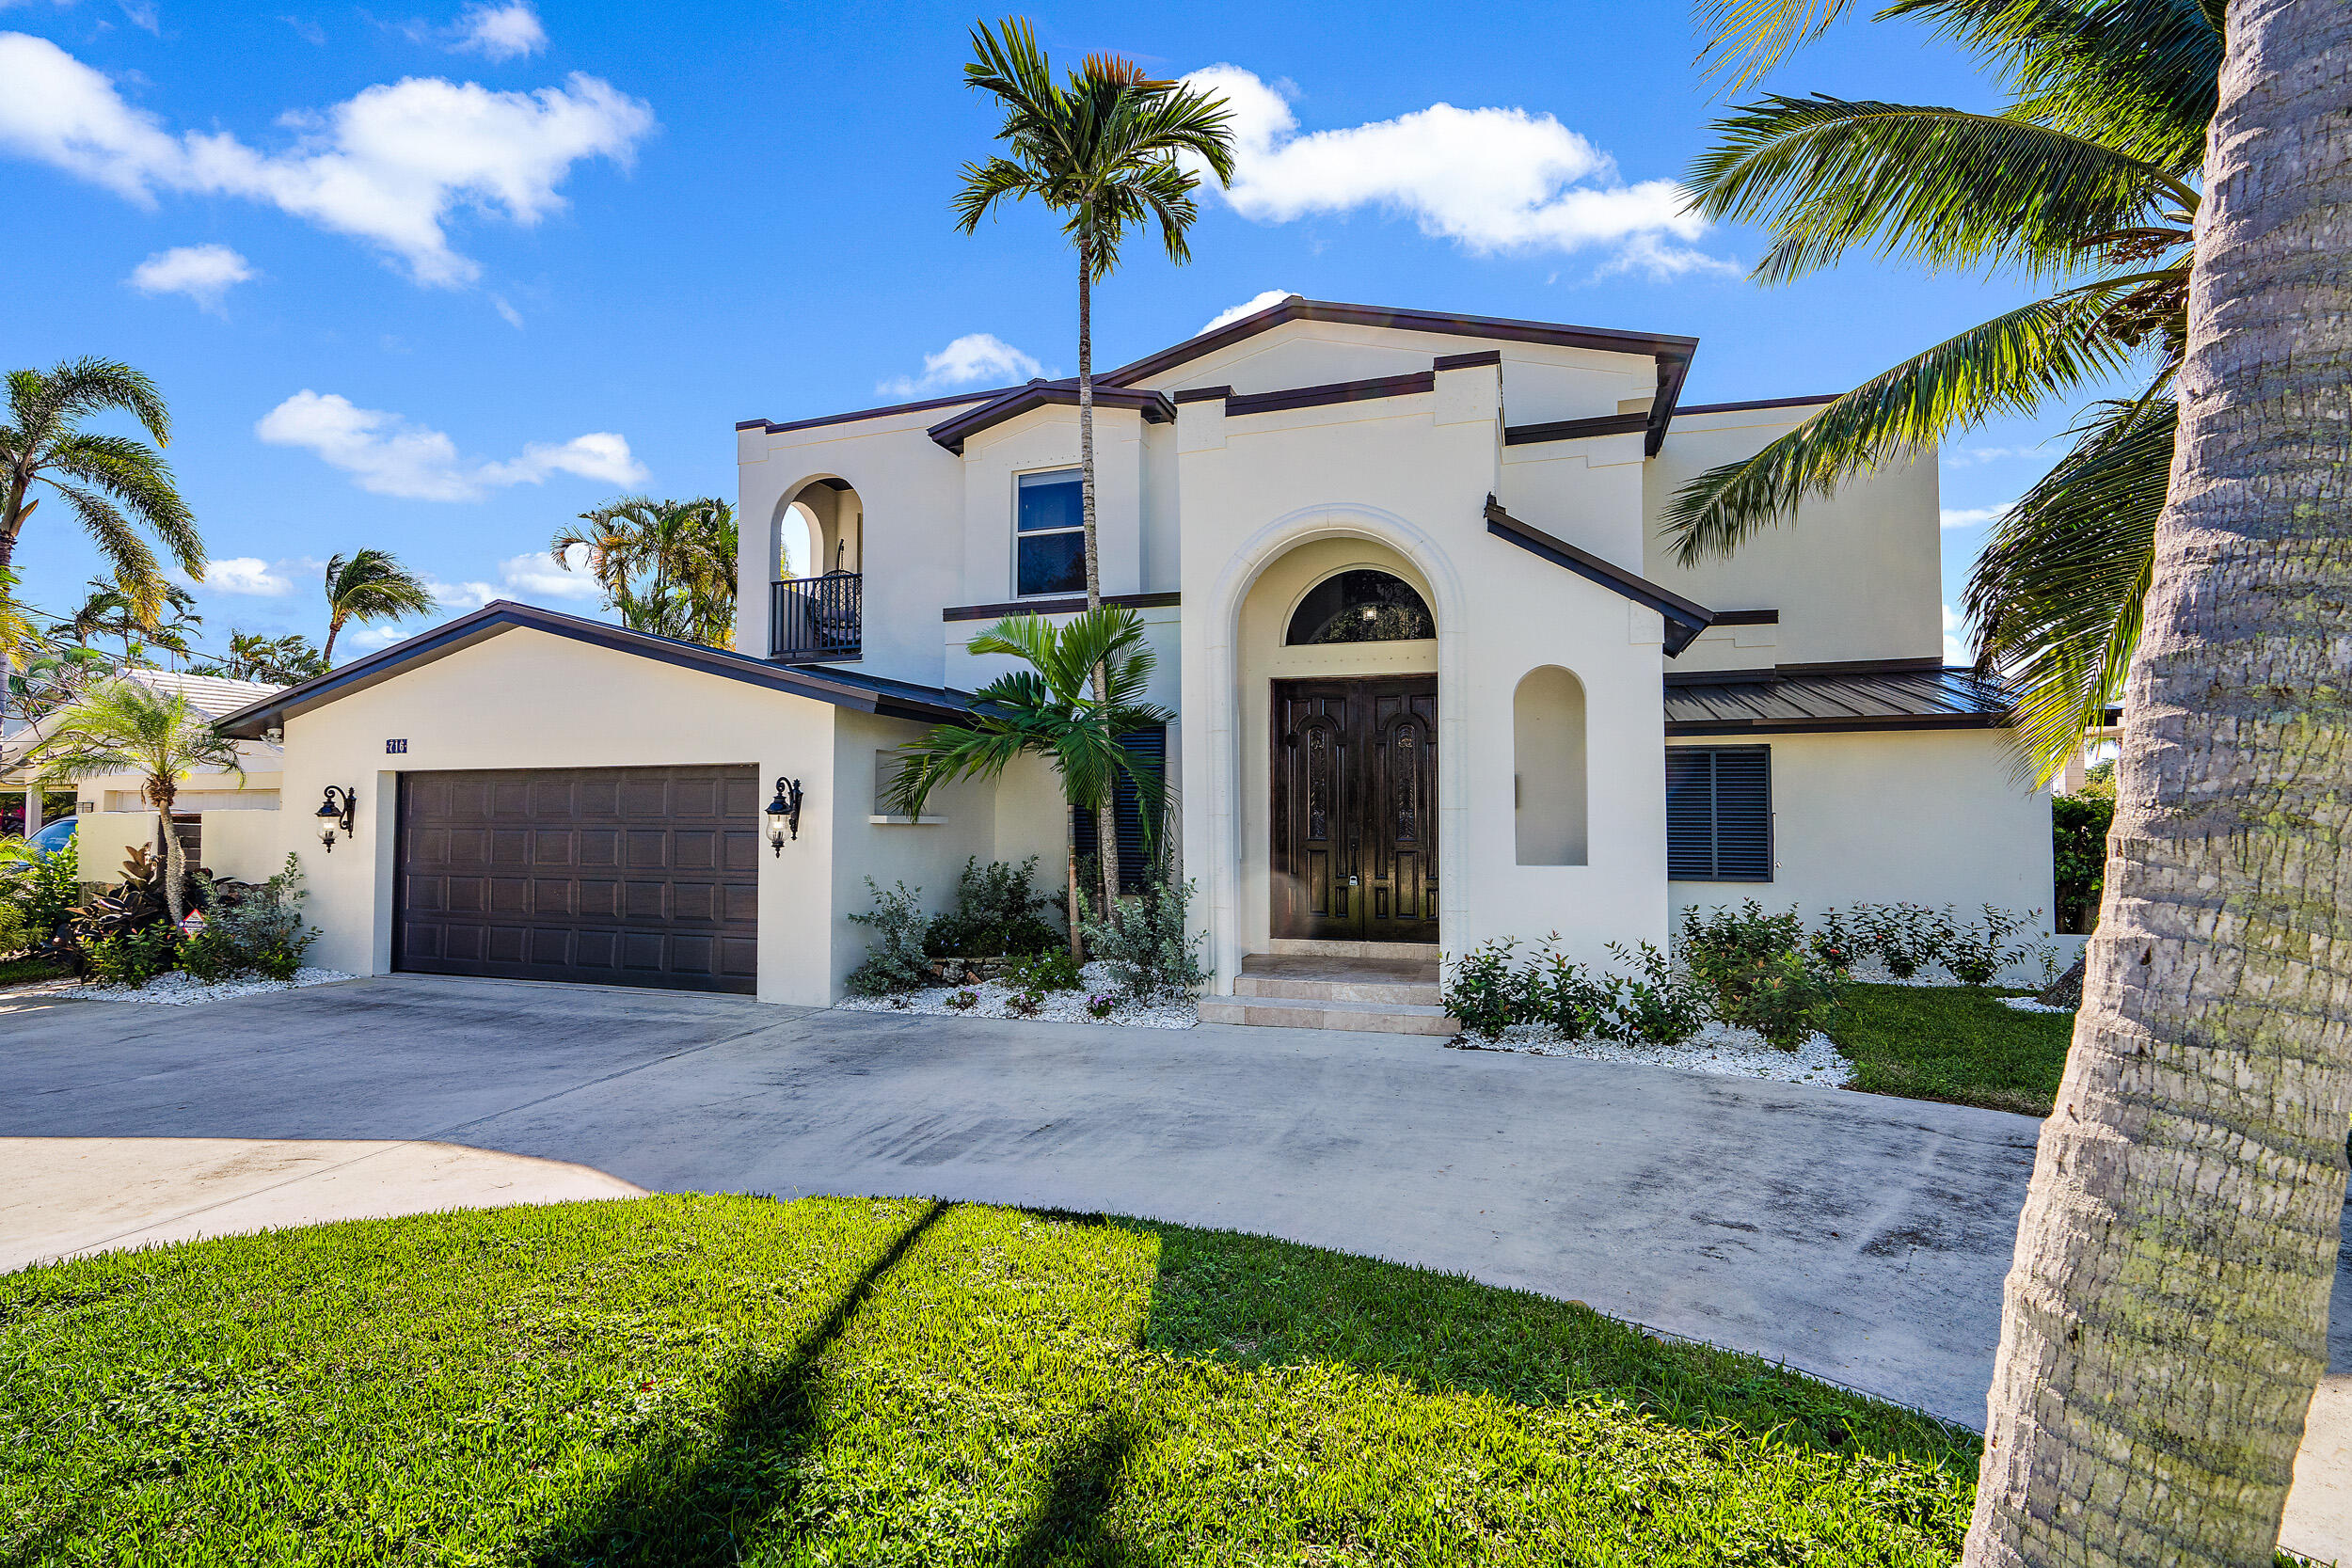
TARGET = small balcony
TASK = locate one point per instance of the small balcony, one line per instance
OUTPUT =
(810, 619)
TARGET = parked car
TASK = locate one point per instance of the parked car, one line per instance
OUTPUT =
(51, 839)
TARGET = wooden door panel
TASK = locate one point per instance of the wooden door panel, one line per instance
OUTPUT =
(1353, 809)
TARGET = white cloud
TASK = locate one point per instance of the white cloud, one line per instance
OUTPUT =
(507, 314)
(1971, 517)
(1969, 456)
(1955, 631)
(382, 636)
(245, 574)
(204, 273)
(307, 31)
(386, 167)
(973, 357)
(142, 15)
(461, 596)
(543, 574)
(1491, 180)
(389, 456)
(1249, 307)
(497, 32)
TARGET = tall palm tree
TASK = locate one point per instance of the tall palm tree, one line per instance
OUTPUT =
(100, 478)
(2166, 1319)
(1102, 149)
(2088, 179)
(125, 726)
(113, 609)
(666, 567)
(370, 585)
(1049, 710)
(286, 660)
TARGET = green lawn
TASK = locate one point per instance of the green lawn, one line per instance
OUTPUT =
(1955, 1043)
(869, 1381)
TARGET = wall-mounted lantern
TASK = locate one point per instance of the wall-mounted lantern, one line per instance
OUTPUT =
(784, 813)
(339, 810)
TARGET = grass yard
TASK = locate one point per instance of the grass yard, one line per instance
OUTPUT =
(869, 1382)
(1955, 1044)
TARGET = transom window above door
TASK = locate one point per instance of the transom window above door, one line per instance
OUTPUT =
(1049, 531)
(1362, 606)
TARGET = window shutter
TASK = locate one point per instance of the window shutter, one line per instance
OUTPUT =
(1719, 814)
(1150, 749)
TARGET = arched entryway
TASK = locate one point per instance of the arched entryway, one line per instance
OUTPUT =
(1339, 671)
(817, 603)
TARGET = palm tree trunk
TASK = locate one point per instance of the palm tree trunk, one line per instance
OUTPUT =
(334, 628)
(175, 858)
(1106, 815)
(2165, 1315)
(1077, 954)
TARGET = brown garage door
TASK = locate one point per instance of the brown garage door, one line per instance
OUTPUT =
(606, 876)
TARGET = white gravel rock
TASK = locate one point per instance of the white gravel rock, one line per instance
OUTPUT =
(179, 988)
(1066, 1007)
(1720, 1050)
(2027, 1005)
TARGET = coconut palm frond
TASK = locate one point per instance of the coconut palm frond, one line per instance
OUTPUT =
(1941, 186)
(2055, 599)
(370, 585)
(2005, 366)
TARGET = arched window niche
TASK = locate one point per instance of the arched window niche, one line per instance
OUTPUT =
(1362, 605)
(799, 542)
(1548, 763)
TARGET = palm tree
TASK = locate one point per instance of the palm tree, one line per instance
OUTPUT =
(1047, 710)
(667, 567)
(123, 726)
(113, 609)
(2166, 1316)
(286, 660)
(370, 586)
(2087, 178)
(1103, 149)
(98, 477)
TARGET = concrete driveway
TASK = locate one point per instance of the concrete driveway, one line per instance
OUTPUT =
(1858, 1238)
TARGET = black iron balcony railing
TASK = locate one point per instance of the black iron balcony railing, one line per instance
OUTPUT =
(814, 618)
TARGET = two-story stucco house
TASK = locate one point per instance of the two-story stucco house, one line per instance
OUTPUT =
(1437, 678)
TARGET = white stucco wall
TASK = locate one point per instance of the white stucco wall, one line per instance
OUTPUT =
(1927, 817)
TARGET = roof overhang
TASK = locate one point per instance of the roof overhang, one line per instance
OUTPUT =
(952, 433)
(1671, 353)
(843, 688)
(1830, 699)
(1684, 618)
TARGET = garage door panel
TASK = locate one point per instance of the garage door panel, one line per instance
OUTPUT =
(491, 875)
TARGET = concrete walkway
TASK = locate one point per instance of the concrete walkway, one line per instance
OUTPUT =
(1859, 1238)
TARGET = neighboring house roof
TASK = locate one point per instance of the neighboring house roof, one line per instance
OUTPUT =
(1684, 619)
(841, 688)
(951, 433)
(213, 696)
(1878, 694)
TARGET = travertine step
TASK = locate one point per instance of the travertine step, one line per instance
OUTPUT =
(1283, 1012)
(1301, 947)
(1301, 977)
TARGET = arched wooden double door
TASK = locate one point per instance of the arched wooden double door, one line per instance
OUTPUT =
(1355, 809)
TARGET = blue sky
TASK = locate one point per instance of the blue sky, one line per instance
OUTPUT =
(436, 277)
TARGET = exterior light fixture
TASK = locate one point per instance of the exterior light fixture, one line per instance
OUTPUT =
(333, 814)
(784, 813)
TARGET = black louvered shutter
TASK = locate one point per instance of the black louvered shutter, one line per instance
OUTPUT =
(1719, 814)
(1150, 749)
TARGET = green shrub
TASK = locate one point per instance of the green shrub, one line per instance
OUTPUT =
(1906, 937)
(1981, 950)
(1045, 972)
(255, 929)
(210, 956)
(1481, 990)
(1788, 997)
(1149, 951)
(1653, 1005)
(1555, 989)
(43, 896)
(16, 932)
(136, 957)
(893, 961)
(1833, 943)
(998, 911)
(2078, 855)
(1729, 950)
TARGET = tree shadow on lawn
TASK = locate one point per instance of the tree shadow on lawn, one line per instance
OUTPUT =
(671, 1506)
(1253, 1301)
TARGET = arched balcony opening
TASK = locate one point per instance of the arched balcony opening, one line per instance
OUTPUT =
(816, 608)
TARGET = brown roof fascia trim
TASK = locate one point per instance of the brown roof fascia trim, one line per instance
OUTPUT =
(1466, 361)
(1202, 395)
(1869, 666)
(1747, 617)
(503, 614)
(1501, 328)
(1334, 391)
(1051, 607)
(1685, 619)
(1155, 407)
(1577, 430)
(1839, 726)
(773, 428)
(1760, 402)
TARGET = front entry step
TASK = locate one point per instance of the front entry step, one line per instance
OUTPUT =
(1387, 994)
(1304, 948)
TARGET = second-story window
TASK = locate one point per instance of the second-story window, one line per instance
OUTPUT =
(1049, 529)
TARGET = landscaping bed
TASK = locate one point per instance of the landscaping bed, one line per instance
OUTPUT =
(1718, 1048)
(1098, 998)
(876, 1381)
